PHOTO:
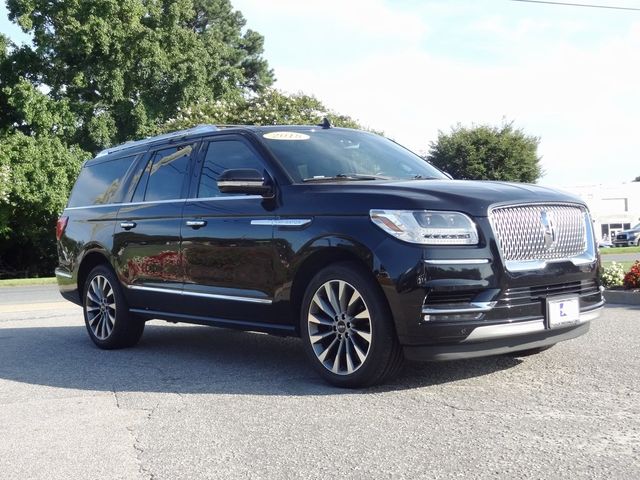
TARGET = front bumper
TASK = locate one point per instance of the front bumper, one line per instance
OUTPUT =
(503, 338)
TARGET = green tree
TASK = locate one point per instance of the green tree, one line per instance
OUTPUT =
(269, 108)
(126, 66)
(487, 153)
(36, 174)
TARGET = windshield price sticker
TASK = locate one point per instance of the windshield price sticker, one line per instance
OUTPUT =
(286, 136)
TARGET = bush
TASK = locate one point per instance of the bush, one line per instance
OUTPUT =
(632, 277)
(612, 275)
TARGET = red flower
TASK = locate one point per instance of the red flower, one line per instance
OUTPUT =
(632, 277)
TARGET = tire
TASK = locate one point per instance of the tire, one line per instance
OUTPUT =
(106, 313)
(529, 352)
(347, 328)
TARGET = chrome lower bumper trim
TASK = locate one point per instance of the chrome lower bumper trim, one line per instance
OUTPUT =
(62, 273)
(473, 308)
(491, 332)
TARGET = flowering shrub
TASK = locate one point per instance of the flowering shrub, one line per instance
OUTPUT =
(632, 277)
(612, 275)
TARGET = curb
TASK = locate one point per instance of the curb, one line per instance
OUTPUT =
(622, 297)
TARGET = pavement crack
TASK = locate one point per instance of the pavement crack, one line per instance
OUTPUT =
(115, 396)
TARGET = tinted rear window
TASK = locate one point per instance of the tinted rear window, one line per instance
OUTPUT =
(100, 183)
(165, 176)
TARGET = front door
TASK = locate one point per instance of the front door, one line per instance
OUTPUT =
(227, 239)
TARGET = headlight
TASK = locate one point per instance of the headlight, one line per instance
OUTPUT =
(427, 227)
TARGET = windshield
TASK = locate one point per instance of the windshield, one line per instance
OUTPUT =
(333, 154)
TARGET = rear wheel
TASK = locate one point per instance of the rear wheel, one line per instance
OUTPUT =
(347, 328)
(106, 314)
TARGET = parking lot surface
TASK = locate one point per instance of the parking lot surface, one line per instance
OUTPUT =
(198, 402)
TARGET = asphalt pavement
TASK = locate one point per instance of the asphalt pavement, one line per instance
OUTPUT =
(197, 402)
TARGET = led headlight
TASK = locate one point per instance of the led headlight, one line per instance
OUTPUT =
(427, 227)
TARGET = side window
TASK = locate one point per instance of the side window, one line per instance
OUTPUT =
(223, 155)
(164, 175)
(100, 183)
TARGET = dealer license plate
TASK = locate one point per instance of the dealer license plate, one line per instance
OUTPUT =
(562, 312)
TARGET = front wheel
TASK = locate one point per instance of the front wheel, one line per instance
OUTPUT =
(106, 314)
(347, 329)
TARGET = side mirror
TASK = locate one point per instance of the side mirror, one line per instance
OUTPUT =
(244, 180)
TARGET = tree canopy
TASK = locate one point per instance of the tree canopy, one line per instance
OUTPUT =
(485, 152)
(125, 66)
(272, 107)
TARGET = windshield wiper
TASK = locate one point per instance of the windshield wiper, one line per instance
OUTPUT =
(345, 177)
(420, 177)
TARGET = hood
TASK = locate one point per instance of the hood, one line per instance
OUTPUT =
(471, 197)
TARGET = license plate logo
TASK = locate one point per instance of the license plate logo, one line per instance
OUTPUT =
(562, 312)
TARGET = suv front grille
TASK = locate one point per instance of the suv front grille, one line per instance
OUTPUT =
(540, 231)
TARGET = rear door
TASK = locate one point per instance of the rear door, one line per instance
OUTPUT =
(147, 237)
(227, 239)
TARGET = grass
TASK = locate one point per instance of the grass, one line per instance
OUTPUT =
(20, 282)
(626, 266)
(618, 250)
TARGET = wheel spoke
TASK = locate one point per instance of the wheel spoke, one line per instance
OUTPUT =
(348, 355)
(361, 355)
(326, 351)
(324, 306)
(364, 335)
(336, 361)
(353, 301)
(315, 338)
(331, 296)
(93, 297)
(315, 318)
(92, 321)
(362, 315)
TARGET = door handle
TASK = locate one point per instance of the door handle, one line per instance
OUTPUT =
(195, 224)
(128, 225)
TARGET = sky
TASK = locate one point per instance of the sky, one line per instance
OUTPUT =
(412, 68)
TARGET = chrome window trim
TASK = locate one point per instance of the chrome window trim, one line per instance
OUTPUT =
(178, 200)
(216, 296)
(586, 258)
(491, 332)
(462, 261)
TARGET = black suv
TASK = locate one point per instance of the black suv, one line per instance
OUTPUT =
(341, 237)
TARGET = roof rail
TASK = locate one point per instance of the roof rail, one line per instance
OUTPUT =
(180, 133)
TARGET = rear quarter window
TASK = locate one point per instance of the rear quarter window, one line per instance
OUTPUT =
(100, 183)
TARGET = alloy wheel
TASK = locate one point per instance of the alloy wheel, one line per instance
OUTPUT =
(339, 326)
(100, 306)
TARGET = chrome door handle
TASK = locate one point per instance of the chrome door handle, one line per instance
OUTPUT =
(128, 225)
(196, 223)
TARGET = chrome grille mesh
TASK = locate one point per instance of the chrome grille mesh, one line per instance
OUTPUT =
(521, 233)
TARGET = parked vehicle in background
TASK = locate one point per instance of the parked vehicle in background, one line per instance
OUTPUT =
(341, 237)
(628, 238)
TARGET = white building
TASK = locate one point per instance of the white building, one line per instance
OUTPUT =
(613, 207)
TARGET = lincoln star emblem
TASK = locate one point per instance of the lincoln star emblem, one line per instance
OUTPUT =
(548, 229)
